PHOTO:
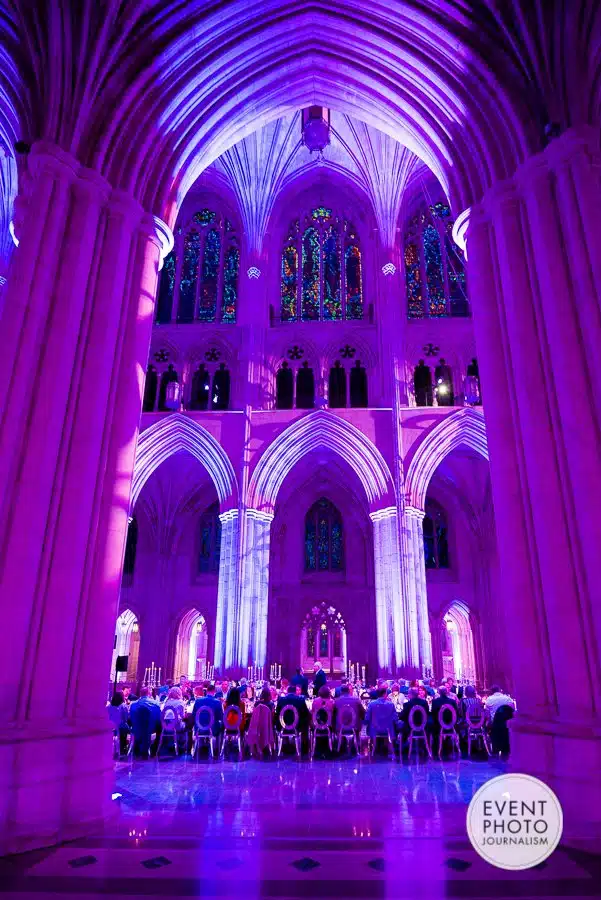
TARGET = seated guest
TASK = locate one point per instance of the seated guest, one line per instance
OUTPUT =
(443, 699)
(347, 699)
(291, 699)
(470, 701)
(175, 702)
(245, 690)
(145, 716)
(221, 690)
(323, 699)
(284, 685)
(454, 691)
(403, 687)
(119, 717)
(501, 708)
(301, 680)
(422, 693)
(260, 731)
(381, 717)
(319, 678)
(211, 702)
(413, 700)
(396, 698)
(430, 688)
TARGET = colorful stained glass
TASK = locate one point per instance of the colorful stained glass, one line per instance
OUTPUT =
(332, 305)
(230, 285)
(310, 545)
(323, 543)
(310, 287)
(456, 277)
(204, 217)
(189, 276)
(289, 284)
(437, 305)
(440, 211)
(310, 642)
(166, 288)
(323, 640)
(207, 309)
(210, 540)
(321, 212)
(337, 642)
(354, 283)
(336, 548)
(413, 281)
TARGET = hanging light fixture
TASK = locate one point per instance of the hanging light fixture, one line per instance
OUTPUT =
(315, 125)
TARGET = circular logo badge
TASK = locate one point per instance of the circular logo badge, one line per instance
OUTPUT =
(514, 821)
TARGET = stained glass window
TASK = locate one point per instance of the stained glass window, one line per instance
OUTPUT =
(310, 298)
(310, 641)
(330, 285)
(436, 543)
(230, 285)
(207, 309)
(413, 281)
(456, 277)
(189, 277)
(210, 540)
(354, 283)
(204, 217)
(323, 538)
(337, 641)
(323, 640)
(332, 304)
(434, 269)
(131, 546)
(434, 272)
(204, 271)
(166, 288)
(289, 282)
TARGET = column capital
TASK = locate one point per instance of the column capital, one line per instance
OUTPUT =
(573, 143)
(165, 238)
(388, 512)
(412, 512)
(259, 515)
(501, 195)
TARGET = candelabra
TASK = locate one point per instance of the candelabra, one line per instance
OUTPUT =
(152, 676)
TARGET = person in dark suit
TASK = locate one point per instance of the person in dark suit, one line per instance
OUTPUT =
(414, 700)
(301, 680)
(291, 698)
(145, 715)
(215, 705)
(444, 699)
(319, 679)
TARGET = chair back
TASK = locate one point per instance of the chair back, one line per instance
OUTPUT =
(232, 718)
(346, 717)
(474, 715)
(171, 718)
(260, 730)
(289, 718)
(322, 718)
(418, 718)
(447, 717)
(381, 719)
(204, 719)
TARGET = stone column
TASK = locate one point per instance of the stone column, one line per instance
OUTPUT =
(227, 594)
(80, 303)
(254, 592)
(390, 620)
(536, 312)
(415, 563)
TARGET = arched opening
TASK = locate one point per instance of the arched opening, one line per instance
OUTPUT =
(458, 656)
(323, 639)
(127, 644)
(191, 650)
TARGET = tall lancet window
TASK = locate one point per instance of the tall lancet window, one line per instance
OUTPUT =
(434, 266)
(210, 540)
(321, 272)
(199, 279)
(436, 536)
(323, 538)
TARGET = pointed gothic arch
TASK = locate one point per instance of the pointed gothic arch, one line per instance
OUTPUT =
(463, 427)
(172, 434)
(321, 429)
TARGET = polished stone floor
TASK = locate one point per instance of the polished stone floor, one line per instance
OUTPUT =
(350, 829)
